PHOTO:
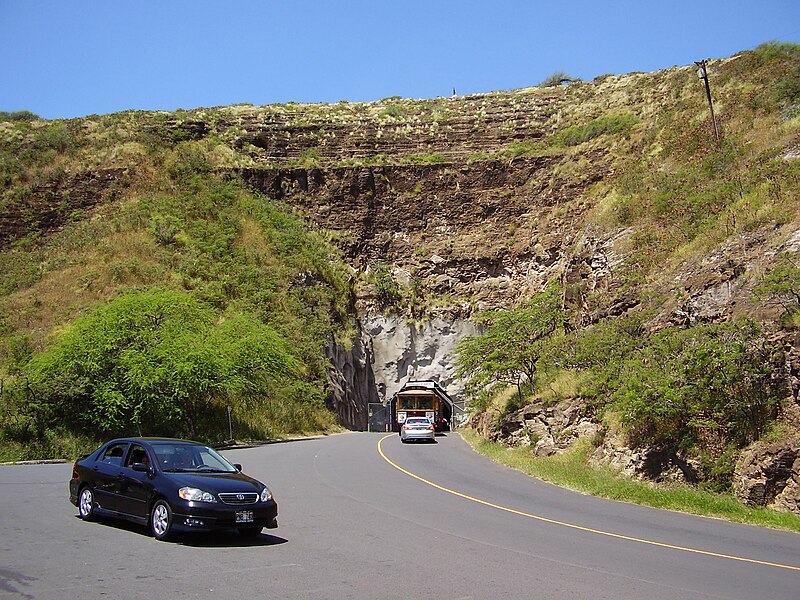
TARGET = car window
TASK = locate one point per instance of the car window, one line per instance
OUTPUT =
(187, 457)
(137, 455)
(175, 457)
(113, 453)
(213, 460)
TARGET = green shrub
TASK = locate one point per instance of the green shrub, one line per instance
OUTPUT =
(606, 125)
(708, 390)
(424, 159)
(556, 79)
(187, 160)
(785, 59)
(782, 286)
(165, 229)
(20, 115)
(708, 386)
(387, 290)
(512, 344)
(154, 362)
(55, 136)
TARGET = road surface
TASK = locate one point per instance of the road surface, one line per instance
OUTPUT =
(363, 516)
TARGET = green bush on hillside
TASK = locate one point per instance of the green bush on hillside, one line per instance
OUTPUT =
(605, 125)
(705, 390)
(19, 115)
(387, 290)
(782, 287)
(153, 362)
(556, 79)
(253, 298)
(783, 61)
(703, 382)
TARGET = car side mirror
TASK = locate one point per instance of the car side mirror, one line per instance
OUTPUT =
(141, 468)
(237, 466)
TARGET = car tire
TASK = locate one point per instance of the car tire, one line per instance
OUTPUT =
(86, 503)
(161, 521)
(250, 533)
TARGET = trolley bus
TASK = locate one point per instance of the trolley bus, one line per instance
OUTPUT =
(422, 399)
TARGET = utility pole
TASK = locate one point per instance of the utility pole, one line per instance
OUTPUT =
(702, 73)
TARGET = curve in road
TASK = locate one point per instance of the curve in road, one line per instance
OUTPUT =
(575, 526)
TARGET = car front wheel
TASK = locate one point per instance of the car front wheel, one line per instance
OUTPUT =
(161, 521)
(86, 504)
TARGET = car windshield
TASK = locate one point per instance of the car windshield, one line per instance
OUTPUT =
(418, 422)
(194, 458)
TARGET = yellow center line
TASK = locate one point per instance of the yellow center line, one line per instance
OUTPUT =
(577, 527)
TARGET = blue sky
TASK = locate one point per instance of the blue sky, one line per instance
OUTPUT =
(71, 58)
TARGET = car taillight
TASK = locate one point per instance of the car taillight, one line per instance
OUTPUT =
(406, 427)
(75, 471)
(430, 427)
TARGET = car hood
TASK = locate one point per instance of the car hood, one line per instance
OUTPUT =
(217, 482)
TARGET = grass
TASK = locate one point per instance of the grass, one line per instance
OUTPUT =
(571, 471)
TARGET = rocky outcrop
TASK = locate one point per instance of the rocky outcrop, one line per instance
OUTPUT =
(51, 203)
(554, 428)
(652, 464)
(769, 475)
(352, 381)
(547, 428)
(484, 231)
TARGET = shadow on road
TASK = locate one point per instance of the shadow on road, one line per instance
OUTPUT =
(229, 539)
(213, 539)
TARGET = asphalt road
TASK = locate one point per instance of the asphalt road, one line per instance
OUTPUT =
(364, 516)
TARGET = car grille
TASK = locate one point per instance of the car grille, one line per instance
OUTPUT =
(239, 497)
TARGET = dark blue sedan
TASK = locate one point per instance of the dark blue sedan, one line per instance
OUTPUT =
(170, 486)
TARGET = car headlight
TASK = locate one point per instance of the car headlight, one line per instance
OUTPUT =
(195, 495)
(266, 495)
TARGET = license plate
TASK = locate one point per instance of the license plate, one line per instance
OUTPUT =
(244, 516)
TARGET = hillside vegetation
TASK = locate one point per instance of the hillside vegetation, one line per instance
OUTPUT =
(160, 269)
(182, 296)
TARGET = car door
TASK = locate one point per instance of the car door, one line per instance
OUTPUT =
(135, 487)
(106, 472)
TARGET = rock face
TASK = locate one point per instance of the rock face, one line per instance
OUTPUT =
(52, 203)
(405, 351)
(769, 475)
(352, 381)
(466, 231)
(387, 352)
(553, 428)
(548, 429)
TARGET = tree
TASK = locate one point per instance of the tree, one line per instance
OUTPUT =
(510, 346)
(154, 361)
(782, 286)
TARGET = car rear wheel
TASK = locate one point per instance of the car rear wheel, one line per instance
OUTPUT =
(161, 521)
(86, 504)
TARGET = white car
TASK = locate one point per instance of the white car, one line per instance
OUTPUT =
(417, 428)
